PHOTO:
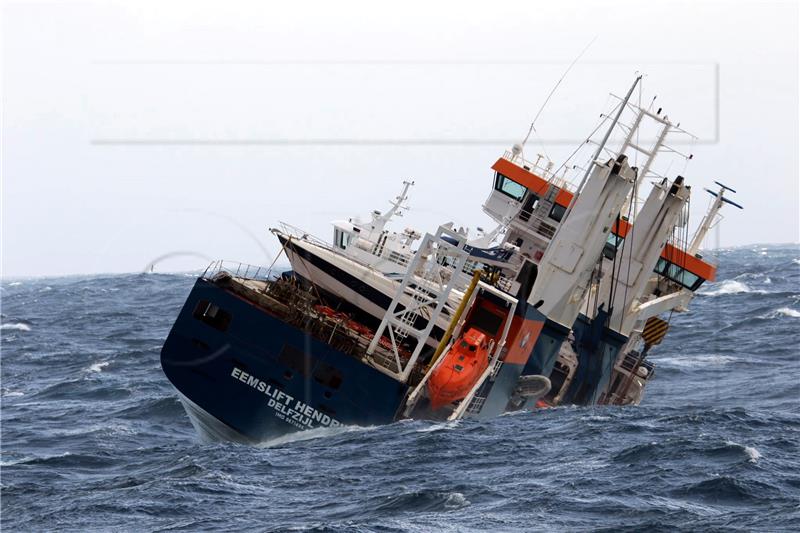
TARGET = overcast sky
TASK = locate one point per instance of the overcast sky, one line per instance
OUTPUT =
(136, 129)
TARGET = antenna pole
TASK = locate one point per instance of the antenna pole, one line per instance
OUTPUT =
(599, 150)
(530, 130)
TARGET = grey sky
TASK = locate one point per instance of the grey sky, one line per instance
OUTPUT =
(112, 110)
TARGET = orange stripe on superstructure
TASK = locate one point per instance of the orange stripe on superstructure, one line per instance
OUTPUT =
(563, 197)
(539, 186)
(621, 228)
(530, 180)
(691, 263)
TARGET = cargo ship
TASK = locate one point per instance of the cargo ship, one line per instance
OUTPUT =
(559, 304)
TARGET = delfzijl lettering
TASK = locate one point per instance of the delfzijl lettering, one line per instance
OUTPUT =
(286, 407)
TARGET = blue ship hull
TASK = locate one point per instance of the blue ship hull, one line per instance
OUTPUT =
(597, 348)
(248, 376)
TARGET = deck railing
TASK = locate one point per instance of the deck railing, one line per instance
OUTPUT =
(544, 172)
(237, 270)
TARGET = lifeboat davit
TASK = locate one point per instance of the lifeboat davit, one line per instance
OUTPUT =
(460, 369)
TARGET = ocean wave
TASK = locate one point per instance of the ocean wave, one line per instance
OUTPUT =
(442, 426)
(729, 286)
(713, 445)
(311, 434)
(693, 361)
(729, 490)
(753, 454)
(423, 501)
(98, 367)
(15, 326)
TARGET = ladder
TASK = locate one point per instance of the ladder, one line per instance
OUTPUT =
(422, 294)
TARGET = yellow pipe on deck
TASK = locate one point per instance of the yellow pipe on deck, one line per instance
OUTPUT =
(476, 276)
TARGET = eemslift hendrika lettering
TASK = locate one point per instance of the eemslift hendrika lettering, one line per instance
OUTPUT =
(295, 412)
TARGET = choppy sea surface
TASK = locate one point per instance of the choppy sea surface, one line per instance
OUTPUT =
(94, 438)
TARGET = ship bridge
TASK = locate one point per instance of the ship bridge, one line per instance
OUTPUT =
(530, 200)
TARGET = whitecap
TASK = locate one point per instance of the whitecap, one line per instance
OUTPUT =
(752, 453)
(729, 286)
(310, 434)
(98, 367)
(787, 311)
(796, 261)
(443, 426)
(456, 500)
(13, 393)
(33, 458)
(17, 326)
(693, 361)
(15, 284)
(596, 418)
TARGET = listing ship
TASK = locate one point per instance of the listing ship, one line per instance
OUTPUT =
(559, 304)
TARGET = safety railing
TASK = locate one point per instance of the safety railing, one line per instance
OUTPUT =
(300, 233)
(237, 270)
(545, 172)
(544, 226)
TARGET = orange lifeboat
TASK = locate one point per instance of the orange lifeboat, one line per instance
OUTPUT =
(460, 369)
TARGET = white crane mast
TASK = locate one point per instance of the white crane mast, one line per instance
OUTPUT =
(566, 267)
(639, 254)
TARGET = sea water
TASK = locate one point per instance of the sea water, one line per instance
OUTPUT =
(94, 438)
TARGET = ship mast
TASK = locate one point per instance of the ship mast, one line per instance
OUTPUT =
(711, 216)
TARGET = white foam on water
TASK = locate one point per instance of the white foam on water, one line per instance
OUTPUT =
(796, 261)
(98, 367)
(753, 454)
(12, 393)
(729, 286)
(310, 434)
(456, 500)
(596, 418)
(15, 284)
(31, 458)
(443, 426)
(694, 361)
(16, 326)
(787, 311)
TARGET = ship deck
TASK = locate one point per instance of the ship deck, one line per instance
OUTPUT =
(303, 308)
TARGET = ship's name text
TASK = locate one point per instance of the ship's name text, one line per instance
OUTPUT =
(287, 408)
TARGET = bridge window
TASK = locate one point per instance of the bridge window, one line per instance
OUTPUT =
(678, 274)
(557, 213)
(613, 243)
(530, 204)
(509, 187)
(682, 276)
